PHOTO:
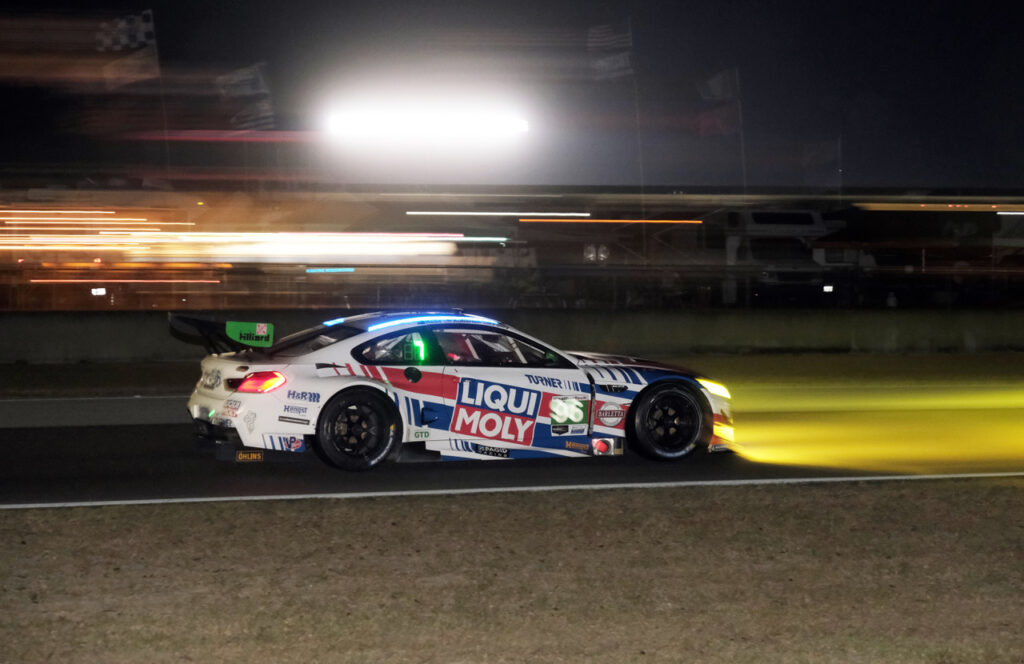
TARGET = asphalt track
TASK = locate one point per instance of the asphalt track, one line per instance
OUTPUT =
(145, 462)
(920, 416)
(98, 464)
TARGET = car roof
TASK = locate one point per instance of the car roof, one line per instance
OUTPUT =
(383, 320)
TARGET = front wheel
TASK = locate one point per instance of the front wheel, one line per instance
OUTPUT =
(669, 422)
(357, 429)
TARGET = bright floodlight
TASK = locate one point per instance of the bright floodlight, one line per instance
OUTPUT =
(404, 122)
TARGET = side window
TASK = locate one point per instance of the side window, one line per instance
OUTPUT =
(404, 349)
(487, 348)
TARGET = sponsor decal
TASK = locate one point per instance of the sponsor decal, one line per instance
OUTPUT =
(211, 379)
(422, 433)
(546, 381)
(487, 424)
(498, 397)
(295, 410)
(566, 430)
(611, 414)
(284, 441)
(292, 420)
(569, 410)
(490, 451)
(230, 408)
(260, 335)
(311, 397)
(577, 447)
(250, 421)
(496, 411)
(249, 456)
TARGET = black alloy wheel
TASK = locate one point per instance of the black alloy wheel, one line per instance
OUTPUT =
(357, 429)
(670, 422)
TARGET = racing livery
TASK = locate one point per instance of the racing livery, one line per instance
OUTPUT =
(363, 389)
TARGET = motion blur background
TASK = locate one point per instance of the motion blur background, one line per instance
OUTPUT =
(611, 155)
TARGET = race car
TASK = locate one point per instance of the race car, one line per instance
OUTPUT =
(364, 389)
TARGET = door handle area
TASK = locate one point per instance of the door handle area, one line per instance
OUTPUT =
(413, 375)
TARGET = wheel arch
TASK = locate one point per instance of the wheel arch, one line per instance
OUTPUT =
(685, 381)
(390, 406)
(361, 384)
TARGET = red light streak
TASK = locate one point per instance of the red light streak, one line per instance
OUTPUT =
(612, 221)
(124, 281)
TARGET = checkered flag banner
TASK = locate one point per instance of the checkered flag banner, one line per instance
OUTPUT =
(127, 33)
(610, 37)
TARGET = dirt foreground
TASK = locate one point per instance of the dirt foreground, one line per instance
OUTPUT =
(878, 572)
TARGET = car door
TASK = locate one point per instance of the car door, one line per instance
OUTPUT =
(410, 362)
(511, 396)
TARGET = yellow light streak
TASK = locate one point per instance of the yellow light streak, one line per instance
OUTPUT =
(939, 207)
(888, 428)
(725, 432)
(715, 388)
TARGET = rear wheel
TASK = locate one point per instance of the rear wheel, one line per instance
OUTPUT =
(669, 422)
(358, 429)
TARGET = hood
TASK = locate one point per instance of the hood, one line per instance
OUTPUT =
(602, 360)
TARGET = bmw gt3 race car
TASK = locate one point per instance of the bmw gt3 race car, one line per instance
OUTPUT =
(364, 389)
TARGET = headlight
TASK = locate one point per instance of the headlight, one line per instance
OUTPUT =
(717, 389)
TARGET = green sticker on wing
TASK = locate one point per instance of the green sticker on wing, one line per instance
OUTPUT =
(258, 335)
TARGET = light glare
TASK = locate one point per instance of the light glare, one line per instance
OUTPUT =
(404, 123)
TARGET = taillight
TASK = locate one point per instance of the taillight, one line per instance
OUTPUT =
(262, 382)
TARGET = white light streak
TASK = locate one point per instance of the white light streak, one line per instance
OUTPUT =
(83, 220)
(109, 229)
(431, 213)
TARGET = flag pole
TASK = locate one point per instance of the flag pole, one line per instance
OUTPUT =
(639, 144)
(839, 153)
(163, 103)
(743, 133)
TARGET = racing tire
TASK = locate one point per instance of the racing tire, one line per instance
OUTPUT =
(358, 429)
(669, 422)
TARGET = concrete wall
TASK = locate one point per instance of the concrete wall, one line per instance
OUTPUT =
(130, 336)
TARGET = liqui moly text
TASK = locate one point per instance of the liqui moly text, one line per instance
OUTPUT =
(495, 411)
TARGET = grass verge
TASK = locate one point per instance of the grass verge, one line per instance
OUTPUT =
(895, 572)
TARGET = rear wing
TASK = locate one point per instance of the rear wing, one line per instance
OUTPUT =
(220, 336)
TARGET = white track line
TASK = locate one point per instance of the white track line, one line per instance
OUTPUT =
(516, 489)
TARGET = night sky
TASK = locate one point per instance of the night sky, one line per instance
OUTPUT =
(870, 94)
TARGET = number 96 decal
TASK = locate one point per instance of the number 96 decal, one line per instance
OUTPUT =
(569, 410)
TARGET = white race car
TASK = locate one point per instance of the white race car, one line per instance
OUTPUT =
(363, 389)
